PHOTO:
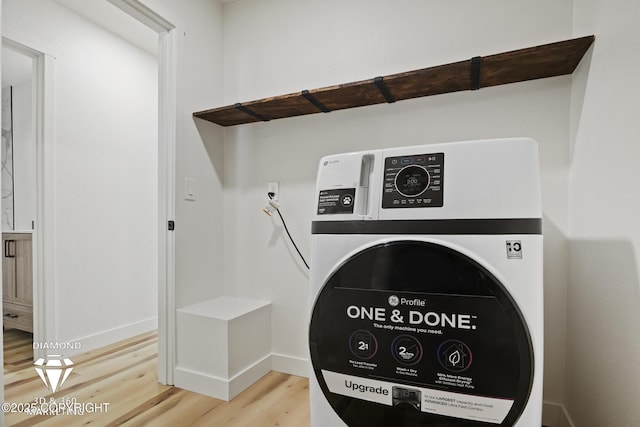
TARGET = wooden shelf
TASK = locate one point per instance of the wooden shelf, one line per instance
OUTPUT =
(531, 63)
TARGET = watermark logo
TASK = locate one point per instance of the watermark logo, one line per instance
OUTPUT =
(57, 346)
(53, 370)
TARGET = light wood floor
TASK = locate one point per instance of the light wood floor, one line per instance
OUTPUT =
(124, 375)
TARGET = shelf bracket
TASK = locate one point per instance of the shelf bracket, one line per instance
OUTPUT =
(384, 90)
(475, 72)
(245, 110)
(312, 99)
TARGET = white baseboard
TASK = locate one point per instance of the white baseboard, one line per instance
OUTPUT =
(555, 415)
(227, 389)
(104, 338)
(290, 365)
(221, 388)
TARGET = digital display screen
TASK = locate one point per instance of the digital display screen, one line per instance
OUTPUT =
(412, 181)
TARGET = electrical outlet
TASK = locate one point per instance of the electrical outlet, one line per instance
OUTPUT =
(274, 187)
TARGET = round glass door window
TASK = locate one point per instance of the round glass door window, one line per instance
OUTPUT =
(410, 333)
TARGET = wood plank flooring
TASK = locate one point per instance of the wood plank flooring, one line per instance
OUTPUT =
(124, 376)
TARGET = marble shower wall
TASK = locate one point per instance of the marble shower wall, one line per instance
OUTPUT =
(7, 159)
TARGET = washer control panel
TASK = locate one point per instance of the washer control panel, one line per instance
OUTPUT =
(414, 181)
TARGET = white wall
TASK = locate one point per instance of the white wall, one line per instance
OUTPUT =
(105, 177)
(199, 151)
(603, 346)
(280, 46)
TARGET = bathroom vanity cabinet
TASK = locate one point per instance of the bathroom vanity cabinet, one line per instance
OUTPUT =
(17, 281)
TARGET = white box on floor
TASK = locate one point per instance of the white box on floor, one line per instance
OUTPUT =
(223, 345)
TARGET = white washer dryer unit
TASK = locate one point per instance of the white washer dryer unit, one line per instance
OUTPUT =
(426, 279)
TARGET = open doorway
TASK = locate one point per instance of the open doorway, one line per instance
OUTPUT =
(78, 288)
(19, 203)
(56, 326)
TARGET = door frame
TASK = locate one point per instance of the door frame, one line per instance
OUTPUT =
(44, 221)
(168, 64)
(167, 108)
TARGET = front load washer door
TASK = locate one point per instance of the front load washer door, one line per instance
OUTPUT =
(411, 333)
